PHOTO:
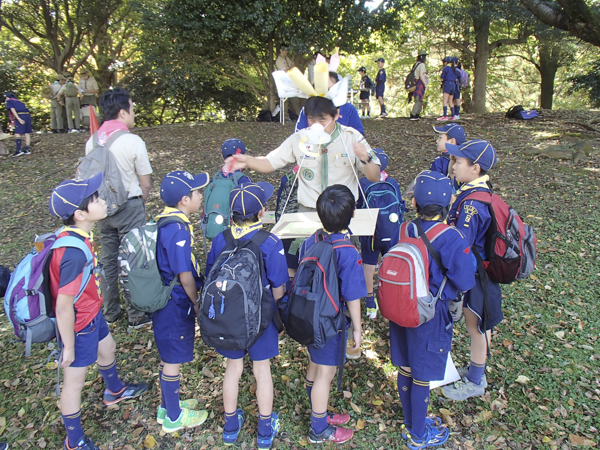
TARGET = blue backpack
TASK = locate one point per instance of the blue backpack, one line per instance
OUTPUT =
(27, 301)
(387, 198)
(527, 115)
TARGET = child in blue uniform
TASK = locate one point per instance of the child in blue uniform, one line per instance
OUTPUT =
(472, 161)
(21, 118)
(421, 353)
(335, 207)
(380, 80)
(248, 206)
(230, 147)
(452, 133)
(457, 89)
(365, 92)
(449, 77)
(370, 253)
(174, 325)
(83, 331)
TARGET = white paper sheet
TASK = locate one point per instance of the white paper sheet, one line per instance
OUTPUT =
(450, 376)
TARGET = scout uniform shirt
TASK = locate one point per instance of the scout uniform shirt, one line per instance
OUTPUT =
(332, 164)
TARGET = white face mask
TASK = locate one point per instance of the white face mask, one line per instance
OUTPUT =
(315, 134)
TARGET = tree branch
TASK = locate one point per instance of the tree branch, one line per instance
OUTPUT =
(461, 46)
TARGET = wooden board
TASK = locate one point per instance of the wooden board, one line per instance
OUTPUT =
(303, 224)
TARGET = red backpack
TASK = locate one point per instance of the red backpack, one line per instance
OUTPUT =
(510, 245)
(404, 296)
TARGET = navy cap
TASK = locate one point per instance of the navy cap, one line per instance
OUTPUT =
(179, 183)
(380, 60)
(68, 195)
(445, 59)
(362, 69)
(10, 95)
(383, 158)
(477, 151)
(432, 188)
(231, 146)
(454, 131)
(249, 198)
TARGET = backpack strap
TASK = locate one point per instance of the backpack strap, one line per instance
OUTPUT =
(162, 222)
(434, 254)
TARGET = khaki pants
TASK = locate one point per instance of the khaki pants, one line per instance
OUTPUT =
(72, 105)
(56, 115)
(417, 107)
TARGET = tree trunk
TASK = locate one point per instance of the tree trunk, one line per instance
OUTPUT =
(481, 25)
(271, 59)
(549, 62)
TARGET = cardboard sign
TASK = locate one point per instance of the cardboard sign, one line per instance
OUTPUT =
(303, 224)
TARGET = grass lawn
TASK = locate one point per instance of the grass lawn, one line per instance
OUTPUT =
(544, 374)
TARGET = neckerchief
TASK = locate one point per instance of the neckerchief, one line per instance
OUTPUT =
(383, 175)
(325, 160)
(108, 128)
(480, 182)
(241, 230)
(174, 212)
(90, 237)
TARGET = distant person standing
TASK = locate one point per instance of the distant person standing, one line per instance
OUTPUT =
(449, 79)
(366, 85)
(422, 80)
(56, 109)
(88, 87)
(69, 97)
(380, 80)
(283, 62)
(21, 118)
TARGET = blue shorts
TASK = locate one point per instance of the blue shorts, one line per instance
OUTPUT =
(379, 89)
(329, 355)
(86, 341)
(448, 88)
(371, 255)
(174, 331)
(425, 348)
(25, 128)
(291, 258)
(266, 347)
(474, 301)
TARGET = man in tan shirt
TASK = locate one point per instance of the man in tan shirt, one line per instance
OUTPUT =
(283, 62)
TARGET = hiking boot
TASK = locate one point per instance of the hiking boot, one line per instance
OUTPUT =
(189, 418)
(338, 419)
(265, 442)
(128, 391)
(162, 412)
(463, 371)
(435, 421)
(229, 437)
(443, 118)
(463, 389)
(433, 436)
(85, 443)
(18, 153)
(139, 323)
(352, 353)
(332, 433)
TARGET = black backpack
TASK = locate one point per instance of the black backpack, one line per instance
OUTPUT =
(410, 83)
(235, 306)
(513, 112)
(312, 314)
(4, 279)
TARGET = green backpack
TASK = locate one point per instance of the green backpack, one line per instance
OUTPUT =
(139, 276)
(217, 213)
(70, 90)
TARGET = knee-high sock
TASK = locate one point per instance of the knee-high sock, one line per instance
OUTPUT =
(404, 390)
(419, 398)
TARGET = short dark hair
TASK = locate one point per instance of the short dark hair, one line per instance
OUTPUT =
(284, 45)
(335, 207)
(240, 219)
(481, 171)
(333, 76)
(83, 207)
(319, 107)
(421, 58)
(428, 212)
(112, 102)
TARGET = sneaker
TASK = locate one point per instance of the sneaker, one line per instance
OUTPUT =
(139, 323)
(128, 391)
(162, 412)
(463, 371)
(352, 353)
(463, 389)
(332, 433)
(433, 436)
(19, 153)
(3, 446)
(435, 421)
(368, 116)
(456, 117)
(265, 442)
(229, 437)
(85, 443)
(112, 320)
(27, 151)
(443, 118)
(415, 117)
(382, 115)
(338, 419)
(189, 418)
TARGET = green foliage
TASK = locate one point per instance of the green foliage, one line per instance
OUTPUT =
(588, 83)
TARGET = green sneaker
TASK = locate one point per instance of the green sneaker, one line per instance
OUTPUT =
(162, 412)
(189, 418)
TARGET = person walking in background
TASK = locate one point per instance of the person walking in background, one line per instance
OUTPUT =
(380, 80)
(422, 82)
(21, 118)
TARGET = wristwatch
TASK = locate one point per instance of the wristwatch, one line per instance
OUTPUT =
(368, 160)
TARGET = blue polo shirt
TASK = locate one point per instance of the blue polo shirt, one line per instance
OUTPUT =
(381, 77)
(348, 117)
(448, 74)
(440, 164)
(473, 219)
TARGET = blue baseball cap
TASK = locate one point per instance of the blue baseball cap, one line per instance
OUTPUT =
(380, 60)
(231, 146)
(249, 198)
(477, 151)
(179, 183)
(68, 195)
(432, 188)
(383, 158)
(10, 95)
(454, 131)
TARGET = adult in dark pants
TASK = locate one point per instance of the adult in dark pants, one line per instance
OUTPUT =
(131, 155)
(422, 82)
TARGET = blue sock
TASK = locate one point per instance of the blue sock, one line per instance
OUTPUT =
(111, 377)
(169, 386)
(452, 110)
(162, 396)
(73, 427)
(18, 142)
(264, 425)
(445, 111)
(404, 390)
(318, 421)
(383, 109)
(231, 421)
(419, 398)
(308, 385)
(457, 109)
(370, 301)
(475, 372)
(26, 148)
